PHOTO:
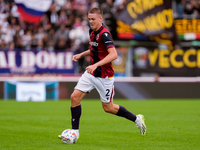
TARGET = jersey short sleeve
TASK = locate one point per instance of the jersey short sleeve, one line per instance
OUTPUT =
(107, 40)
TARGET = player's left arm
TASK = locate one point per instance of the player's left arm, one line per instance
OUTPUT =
(112, 55)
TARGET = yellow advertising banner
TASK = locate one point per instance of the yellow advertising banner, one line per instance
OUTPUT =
(164, 62)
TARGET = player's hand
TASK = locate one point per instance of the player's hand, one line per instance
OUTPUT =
(76, 57)
(91, 68)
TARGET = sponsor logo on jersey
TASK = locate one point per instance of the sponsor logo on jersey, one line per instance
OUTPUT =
(94, 44)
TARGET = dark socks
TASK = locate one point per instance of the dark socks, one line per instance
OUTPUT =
(75, 114)
(123, 112)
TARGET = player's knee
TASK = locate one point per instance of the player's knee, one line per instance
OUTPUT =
(111, 108)
(74, 98)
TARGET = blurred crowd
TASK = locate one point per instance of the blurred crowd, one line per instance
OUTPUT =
(187, 9)
(64, 27)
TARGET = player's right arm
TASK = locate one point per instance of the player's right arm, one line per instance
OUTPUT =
(78, 56)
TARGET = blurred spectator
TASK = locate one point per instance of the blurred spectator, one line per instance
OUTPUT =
(22, 24)
(2, 18)
(60, 43)
(3, 45)
(40, 34)
(197, 6)
(91, 4)
(2, 6)
(50, 45)
(119, 5)
(79, 6)
(11, 46)
(63, 17)
(62, 31)
(79, 34)
(18, 40)
(110, 21)
(189, 8)
(61, 2)
(13, 22)
(179, 8)
(40, 45)
(8, 35)
(27, 40)
(54, 19)
(45, 22)
(49, 35)
(4, 25)
(33, 42)
(77, 22)
(14, 11)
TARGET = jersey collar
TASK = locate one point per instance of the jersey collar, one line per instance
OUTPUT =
(100, 29)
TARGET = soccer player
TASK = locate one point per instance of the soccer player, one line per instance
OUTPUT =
(99, 74)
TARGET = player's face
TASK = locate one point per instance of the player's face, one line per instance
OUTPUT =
(95, 21)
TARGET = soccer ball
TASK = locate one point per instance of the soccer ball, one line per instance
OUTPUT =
(69, 136)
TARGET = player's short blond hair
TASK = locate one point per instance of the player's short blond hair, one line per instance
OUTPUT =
(96, 10)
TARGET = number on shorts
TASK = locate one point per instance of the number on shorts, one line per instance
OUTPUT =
(108, 91)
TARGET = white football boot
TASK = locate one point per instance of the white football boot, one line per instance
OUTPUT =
(140, 124)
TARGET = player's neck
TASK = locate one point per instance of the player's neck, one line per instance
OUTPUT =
(97, 29)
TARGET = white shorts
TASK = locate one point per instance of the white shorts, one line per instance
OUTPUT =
(104, 86)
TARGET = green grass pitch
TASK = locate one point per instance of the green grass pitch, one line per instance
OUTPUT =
(171, 125)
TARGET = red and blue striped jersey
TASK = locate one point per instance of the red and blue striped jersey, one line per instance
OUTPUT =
(100, 41)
